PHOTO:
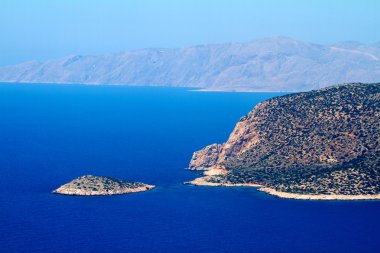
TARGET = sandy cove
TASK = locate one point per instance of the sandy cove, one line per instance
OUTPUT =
(202, 181)
(213, 171)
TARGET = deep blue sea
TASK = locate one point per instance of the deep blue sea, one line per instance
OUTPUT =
(51, 134)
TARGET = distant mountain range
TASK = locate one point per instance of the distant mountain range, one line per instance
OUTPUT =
(271, 64)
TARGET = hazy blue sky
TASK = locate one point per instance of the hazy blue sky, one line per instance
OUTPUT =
(43, 29)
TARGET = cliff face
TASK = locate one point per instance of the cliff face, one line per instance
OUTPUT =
(206, 158)
(332, 132)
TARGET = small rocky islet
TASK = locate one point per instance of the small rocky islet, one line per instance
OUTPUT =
(89, 185)
(321, 144)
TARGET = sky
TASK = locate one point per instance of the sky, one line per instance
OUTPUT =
(46, 29)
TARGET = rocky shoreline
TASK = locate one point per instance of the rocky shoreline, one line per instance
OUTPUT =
(90, 185)
(202, 181)
(288, 195)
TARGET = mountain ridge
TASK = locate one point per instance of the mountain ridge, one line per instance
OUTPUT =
(269, 64)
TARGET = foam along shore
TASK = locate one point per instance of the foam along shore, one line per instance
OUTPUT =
(288, 195)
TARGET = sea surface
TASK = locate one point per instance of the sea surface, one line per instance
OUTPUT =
(51, 134)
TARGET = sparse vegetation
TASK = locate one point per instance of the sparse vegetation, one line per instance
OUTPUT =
(318, 142)
(87, 185)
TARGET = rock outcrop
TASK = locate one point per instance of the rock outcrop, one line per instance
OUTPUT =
(320, 142)
(206, 158)
(97, 185)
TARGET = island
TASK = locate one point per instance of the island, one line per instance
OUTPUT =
(89, 185)
(317, 145)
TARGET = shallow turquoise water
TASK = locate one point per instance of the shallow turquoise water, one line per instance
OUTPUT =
(50, 134)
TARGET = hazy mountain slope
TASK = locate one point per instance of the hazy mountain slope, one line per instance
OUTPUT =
(277, 63)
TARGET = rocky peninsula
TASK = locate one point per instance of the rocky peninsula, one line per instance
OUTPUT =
(90, 185)
(322, 144)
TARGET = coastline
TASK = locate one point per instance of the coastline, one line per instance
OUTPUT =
(202, 181)
(242, 90)
(288, 195)
(77, 192)
(189, 88)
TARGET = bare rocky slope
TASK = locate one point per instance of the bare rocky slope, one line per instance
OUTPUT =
(271, 64)
(319, 142)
